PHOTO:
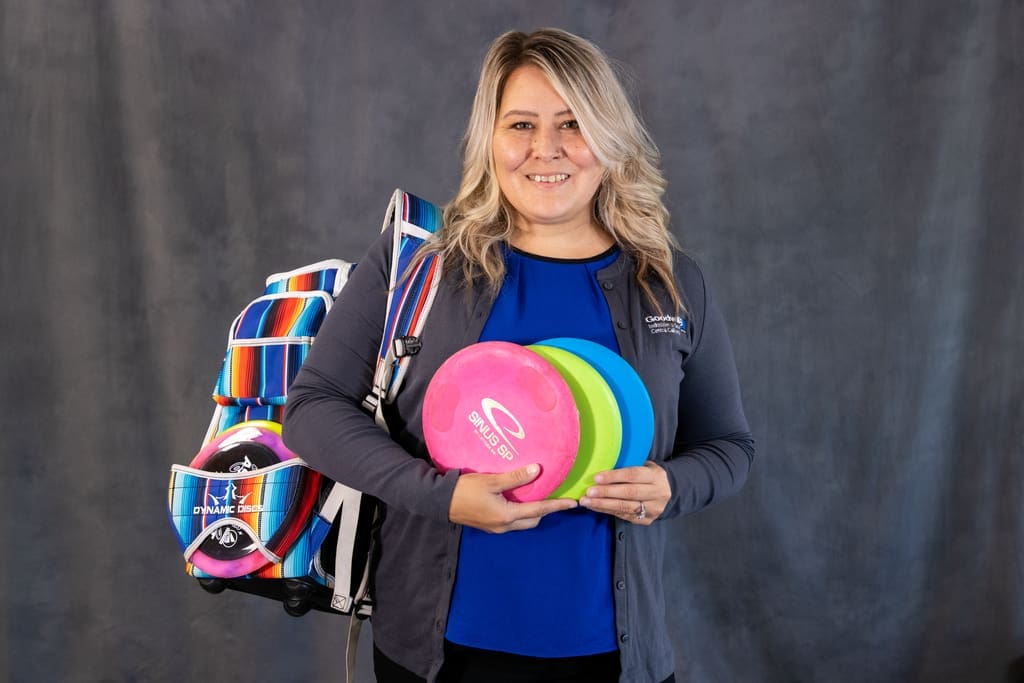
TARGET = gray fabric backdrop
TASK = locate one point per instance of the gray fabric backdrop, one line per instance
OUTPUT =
(851, 174)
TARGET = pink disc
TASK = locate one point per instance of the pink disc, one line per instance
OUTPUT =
(249, 447)
(496, 406)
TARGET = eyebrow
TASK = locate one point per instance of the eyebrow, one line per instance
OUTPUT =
(521, 112)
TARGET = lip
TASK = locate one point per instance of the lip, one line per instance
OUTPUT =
(532, 177)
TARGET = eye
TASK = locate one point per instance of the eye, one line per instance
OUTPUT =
(521, 125)
(571, 124)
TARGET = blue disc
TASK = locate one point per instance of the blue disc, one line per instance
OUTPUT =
(629, 391)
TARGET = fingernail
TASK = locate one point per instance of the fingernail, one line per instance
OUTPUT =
(584, 501)
(532, 469)
(598, 478)
(591, 492)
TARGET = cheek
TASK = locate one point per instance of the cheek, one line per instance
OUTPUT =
(582, 156)
(507, 154)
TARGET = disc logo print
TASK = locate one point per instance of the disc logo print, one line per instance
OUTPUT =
(496, 427)
(229, 504)
(242, 466)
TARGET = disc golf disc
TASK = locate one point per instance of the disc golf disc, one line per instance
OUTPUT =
(496, 406)
(600, 420)
(630, 394)
(231, 551)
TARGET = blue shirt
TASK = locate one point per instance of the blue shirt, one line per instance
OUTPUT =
(543, 592)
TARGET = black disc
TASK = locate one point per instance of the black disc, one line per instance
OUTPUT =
(233, 542)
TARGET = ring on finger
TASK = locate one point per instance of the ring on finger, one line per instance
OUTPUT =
(641, 514)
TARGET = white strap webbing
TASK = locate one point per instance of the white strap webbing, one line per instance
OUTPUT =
(352, 647)
(382, 375)
(386, 381)
(413, 230)
(329, 510)
(350, 501)
(390, 391)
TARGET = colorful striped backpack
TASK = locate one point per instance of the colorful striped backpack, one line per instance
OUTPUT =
(248, 514)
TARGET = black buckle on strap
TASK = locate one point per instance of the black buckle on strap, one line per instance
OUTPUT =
(406, 346)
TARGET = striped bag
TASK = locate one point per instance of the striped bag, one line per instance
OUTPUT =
(307, 541)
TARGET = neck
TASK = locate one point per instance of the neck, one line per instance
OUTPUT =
(562, 241)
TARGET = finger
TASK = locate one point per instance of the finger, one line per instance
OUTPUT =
(523, 524)
(513, 478)
(528, 515)
(623, 509)
(612, 506)
(634, 492)
(625, 475)
(542, 507)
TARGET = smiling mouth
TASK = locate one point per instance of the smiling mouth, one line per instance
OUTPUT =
(556, 178)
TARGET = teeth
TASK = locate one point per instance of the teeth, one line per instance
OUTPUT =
(549, 178)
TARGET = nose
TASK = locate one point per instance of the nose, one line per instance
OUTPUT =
(547, 144)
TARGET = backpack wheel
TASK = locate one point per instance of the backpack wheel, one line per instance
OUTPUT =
(298, 598)
(297, 607)
(213, 585)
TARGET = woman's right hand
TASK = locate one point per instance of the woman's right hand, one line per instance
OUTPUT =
(478, 502)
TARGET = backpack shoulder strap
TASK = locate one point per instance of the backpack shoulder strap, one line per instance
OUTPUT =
(411, 293)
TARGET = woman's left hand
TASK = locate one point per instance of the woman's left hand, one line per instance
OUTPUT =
(635, 494)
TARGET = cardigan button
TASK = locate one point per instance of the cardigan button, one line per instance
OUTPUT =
(608, 285)
(621, 325)
(621, 535)
(624, 638)
(620, 585)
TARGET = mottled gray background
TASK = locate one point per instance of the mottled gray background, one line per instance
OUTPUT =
(851, 174)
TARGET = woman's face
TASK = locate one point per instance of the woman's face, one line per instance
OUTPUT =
(544, 166)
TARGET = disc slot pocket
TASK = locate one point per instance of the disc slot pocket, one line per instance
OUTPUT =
(253, 514)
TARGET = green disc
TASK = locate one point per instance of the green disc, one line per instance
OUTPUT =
(600, 420)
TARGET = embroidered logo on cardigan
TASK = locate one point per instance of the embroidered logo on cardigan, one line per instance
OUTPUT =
(665, 324)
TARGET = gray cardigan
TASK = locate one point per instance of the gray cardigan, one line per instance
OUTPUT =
(701, 439)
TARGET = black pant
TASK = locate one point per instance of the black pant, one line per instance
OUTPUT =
(470, 665)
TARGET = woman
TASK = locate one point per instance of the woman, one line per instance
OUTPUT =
(558, 229)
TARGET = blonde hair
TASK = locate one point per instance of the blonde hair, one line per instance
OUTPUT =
(628, 202)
